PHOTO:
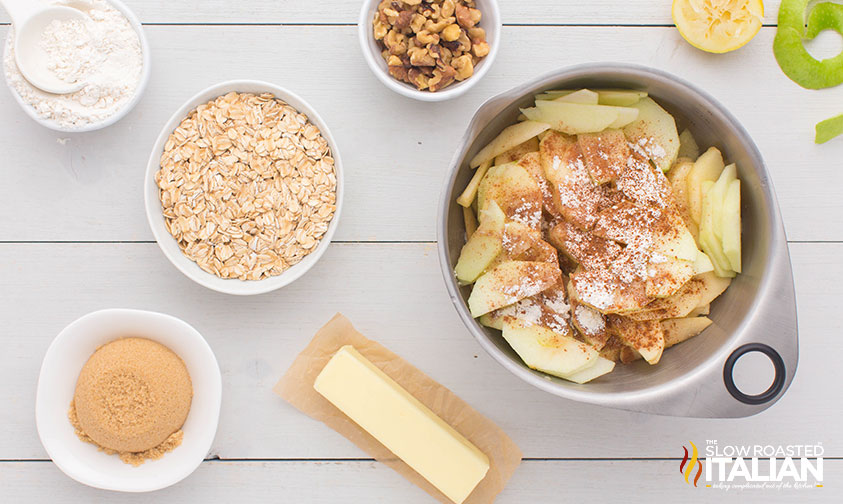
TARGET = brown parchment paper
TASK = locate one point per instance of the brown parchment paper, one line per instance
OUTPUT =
(296, 387)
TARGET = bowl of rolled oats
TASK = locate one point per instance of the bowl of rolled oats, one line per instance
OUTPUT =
(244, 187)
(429, 50)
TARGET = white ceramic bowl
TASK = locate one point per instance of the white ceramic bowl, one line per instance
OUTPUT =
(56, 385)
(120, 114)
(153, 203)
(491, 22)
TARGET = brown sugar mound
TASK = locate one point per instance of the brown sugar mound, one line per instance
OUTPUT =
(132, 398)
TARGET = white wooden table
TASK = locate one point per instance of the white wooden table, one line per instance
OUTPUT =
(74, 238)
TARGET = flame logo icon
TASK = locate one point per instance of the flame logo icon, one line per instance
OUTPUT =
(694, 462)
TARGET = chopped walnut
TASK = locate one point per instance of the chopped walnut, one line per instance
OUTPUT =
(430, 44)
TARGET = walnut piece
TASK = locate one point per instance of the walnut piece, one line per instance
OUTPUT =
(430, 44)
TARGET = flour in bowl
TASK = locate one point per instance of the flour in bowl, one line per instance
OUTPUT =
(105, 51)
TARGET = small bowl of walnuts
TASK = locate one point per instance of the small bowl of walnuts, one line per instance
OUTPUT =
(429, 50)
(243, 187)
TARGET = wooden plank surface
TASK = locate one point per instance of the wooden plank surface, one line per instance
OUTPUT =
(87, 188)
(396, 151)
(394, 294)
(565, 12)
(321, 482)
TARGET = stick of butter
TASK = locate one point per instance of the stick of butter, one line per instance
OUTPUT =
(402, 424)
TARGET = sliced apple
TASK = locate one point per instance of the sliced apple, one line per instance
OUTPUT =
(654, 133)
(620, 97)
(680, 304)
(718, 197)
(676, 242)
(484, 245)
(583, 96)
(576, 118)
(688, 145)
(532, 163)
(731, 225)
(589, 322)
(518, 238)
(678, 330)
(516, 153)
(509, 283)
(706, 168)
(626, 115)
(710, 286)
(605, 154)
(516, 192)
(665, 278)
(470, 192)
(493, 319)
(700, 310)
(678, 178)
(600, 367)
(546, 351)
(702, 264)
(708, 240)
(510, 137)
(470, 221)
(646, 336)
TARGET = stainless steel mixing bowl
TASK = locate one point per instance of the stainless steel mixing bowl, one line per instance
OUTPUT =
(756, 314)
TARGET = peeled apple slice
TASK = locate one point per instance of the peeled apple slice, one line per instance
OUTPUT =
(483, 246)
(732, 225)
(582, 96)
(706, 168)
(718, 26)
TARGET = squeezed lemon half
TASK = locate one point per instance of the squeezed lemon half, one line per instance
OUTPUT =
(718, 26)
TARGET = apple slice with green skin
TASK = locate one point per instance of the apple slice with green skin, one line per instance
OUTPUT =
(509, 283)
(484, 245)
(510, 137)
(546, 351)
(583, 96)
(654, 132)
(601, 367)
(706, 168)
(678, 330)
(731, 225)
(828, 129)
(576, 118)
(688, 146)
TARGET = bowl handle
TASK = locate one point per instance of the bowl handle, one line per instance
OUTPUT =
(775, 387)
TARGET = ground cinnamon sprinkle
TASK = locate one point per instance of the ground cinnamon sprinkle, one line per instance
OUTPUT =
(132, 398)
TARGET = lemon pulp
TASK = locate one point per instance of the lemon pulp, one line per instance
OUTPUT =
(718, 26)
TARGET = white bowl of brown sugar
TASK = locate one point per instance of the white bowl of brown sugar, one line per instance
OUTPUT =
(244, 187)
(128, 400)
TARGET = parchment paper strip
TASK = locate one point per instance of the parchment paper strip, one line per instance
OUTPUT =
(296, 387)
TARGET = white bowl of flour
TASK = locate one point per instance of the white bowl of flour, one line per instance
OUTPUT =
(109, 51)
